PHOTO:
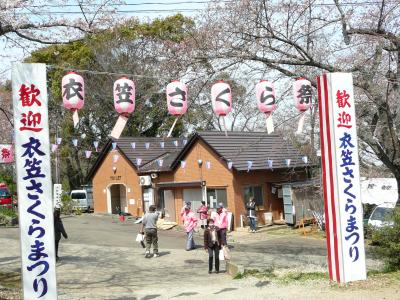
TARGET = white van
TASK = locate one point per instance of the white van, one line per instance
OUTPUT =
(83, 199)
(381, 215)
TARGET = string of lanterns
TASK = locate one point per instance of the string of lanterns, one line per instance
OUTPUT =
(73, 91)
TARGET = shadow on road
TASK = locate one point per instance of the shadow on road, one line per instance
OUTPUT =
(76, 259)
(148, 297)
(163, 253)
(7, 259)
(185, 294)
(225, 290)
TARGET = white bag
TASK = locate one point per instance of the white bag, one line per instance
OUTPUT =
(139, 237)
(226, 252)
(221, 255)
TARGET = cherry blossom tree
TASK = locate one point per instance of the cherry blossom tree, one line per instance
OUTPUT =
(289, 39)
(53, 22)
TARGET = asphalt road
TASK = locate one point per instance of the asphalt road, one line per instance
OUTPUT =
(99, 230)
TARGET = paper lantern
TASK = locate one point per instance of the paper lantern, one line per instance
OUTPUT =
(73, 91)
(124, 96)
(177, 98)
(221, 98)
(265, 94)
(302, 93)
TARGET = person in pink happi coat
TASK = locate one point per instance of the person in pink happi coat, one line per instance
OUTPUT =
(203, 212)
(221, 221)
(190, 223)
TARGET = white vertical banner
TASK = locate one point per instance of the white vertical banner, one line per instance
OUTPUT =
(341, 178)
(32, 153)
(57, 191)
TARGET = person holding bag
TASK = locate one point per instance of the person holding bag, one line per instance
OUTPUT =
(212, 245)
(149, 228)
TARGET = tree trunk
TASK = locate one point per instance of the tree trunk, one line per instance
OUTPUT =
(398, 189)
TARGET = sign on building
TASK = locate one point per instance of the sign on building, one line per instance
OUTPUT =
(32, 153)
(57, 191)
(6, 154)
(341, 178)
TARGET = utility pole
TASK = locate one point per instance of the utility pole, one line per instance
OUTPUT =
(56, 157)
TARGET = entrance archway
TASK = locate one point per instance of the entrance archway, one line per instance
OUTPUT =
(117, 199)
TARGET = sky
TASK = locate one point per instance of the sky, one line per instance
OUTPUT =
(143, 9)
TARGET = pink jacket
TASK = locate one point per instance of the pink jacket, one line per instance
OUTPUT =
(203, 211)
(221, 220)
(189, 220)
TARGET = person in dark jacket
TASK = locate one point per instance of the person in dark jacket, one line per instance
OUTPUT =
(251, 209)
(212, 244)
(58, 230)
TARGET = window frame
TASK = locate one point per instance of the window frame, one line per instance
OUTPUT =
(259, 203)
(216, 196)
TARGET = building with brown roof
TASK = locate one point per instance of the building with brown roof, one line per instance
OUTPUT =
(209, 166)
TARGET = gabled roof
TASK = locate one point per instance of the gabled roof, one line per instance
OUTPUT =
(149, 156)
(237, 147)
(241, 147)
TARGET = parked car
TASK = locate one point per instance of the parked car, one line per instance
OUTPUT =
(6, 199)
(381, 215)
(83, 199)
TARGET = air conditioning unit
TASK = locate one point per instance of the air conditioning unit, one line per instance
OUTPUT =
(154, 175)
(145, 180)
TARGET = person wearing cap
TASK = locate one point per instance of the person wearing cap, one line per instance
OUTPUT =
(190, 223)
(187, 204)
(221, 221)
(203, 212)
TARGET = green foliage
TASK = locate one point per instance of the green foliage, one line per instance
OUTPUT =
(387, 239)
(302, 276)
(6, 177)
(368, 231)
(8, 217)
(285, 278)
(67, 204)
(368, 209)
(239, 276)
(7, 212)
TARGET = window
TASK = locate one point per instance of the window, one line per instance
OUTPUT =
(78, 195)
(160, 200)
(256, 192)
(382, 213)
(215, 196)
